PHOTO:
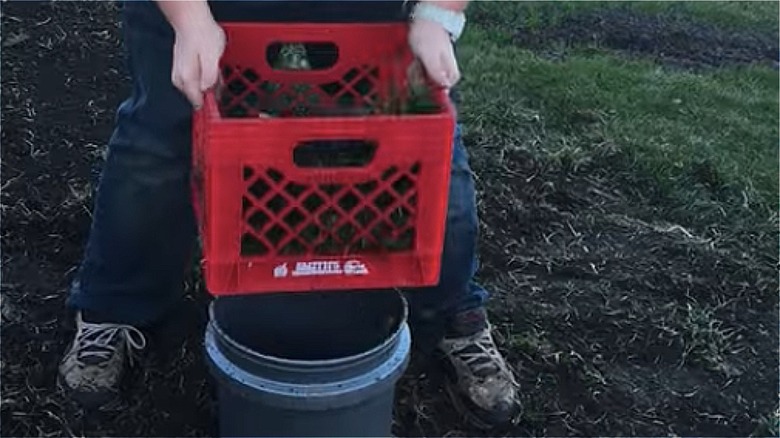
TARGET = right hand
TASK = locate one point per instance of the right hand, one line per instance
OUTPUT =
(196, 53)
(432, 46)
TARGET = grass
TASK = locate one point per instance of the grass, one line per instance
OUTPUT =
(707, 342)
(698, 146)
(533, 15)
(707, 135)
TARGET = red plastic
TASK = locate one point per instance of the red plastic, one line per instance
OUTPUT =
(270, 225)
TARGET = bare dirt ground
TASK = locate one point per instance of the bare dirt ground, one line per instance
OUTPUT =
(616, 322)
(672, 39)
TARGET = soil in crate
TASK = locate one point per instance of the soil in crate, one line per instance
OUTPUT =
(246, 94)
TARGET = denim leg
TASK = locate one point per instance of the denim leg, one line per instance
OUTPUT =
(143, 231)
(433, 309)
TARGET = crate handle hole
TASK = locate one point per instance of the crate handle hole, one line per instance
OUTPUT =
(334, 153)
(296, 55)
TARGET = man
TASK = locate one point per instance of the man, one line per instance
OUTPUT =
(143, 228)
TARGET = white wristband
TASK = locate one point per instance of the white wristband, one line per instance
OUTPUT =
(453, 22)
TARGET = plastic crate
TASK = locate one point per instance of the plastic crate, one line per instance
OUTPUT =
(338, 190)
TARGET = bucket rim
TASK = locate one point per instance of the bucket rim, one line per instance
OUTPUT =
(222, 336)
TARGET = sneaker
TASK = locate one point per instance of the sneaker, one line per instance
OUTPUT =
(92, 369)
(481, 385)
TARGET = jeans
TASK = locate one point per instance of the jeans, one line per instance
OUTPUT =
(143, 232)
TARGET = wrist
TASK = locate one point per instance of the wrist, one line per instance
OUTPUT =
(458, 6)
(453, 21)
(186, 16)
(194, 24)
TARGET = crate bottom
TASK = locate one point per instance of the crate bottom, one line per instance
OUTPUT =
(317, 274)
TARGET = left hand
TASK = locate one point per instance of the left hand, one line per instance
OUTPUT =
(432, 46)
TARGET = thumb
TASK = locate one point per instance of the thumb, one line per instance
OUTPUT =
(191, 87)
(208, 78)
(450, 69)
(209, 71)
(435, 69)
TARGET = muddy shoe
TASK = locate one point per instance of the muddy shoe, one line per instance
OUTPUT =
(480, 383)
(92, 369)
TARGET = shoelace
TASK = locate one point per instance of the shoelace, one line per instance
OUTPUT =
(99, 340)
(484, 359)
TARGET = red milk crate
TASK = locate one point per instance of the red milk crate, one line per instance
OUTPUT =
(338, 189)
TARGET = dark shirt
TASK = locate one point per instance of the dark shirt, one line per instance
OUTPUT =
(313, 11)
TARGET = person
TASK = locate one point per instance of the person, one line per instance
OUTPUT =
(143, 231)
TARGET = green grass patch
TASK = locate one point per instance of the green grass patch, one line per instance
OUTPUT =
(715, 131)
(534, 15)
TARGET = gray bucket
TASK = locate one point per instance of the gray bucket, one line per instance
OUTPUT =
(307, 364)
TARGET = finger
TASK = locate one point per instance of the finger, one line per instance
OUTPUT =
(435, 69)
(191, 84)
(210, 72)
(176, 79)
(450, 68)
(416, 74)
(209, 78)
(185, 87)
(194, 94)
(219, 87)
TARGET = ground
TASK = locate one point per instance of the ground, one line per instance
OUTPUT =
(631, 254)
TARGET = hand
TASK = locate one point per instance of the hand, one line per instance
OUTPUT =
(431, 44)
(199, 46)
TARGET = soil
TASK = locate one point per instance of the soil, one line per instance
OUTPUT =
(616, 322)
(668, 38)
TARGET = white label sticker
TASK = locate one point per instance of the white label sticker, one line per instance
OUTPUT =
(321, 268)
(307, 269)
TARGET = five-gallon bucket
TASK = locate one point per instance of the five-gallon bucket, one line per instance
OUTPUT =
(307, 364)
